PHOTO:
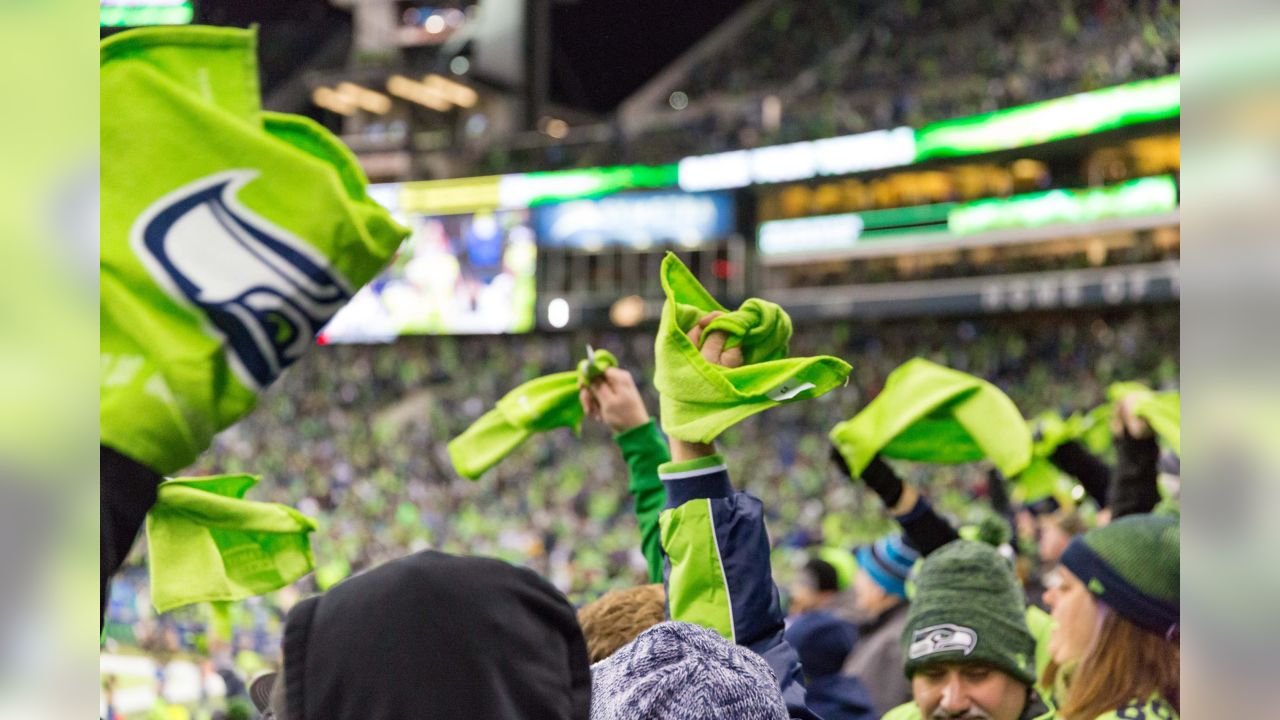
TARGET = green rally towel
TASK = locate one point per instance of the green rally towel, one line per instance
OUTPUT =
(1163, 410)
(547, 403)
(700, 400)
(933, 414)
(229, 237)
(1042, 478)
(205, 542)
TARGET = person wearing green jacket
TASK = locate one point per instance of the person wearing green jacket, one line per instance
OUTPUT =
(613, 399)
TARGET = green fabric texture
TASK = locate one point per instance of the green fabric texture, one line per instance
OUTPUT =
(229, 236)
(645, 450)
(1163, 411)
(696, 589)
(845, 563)
(205, 542)
(933, 414)
(1041, 625)
(700, 400)
(1144, 550)
(968, 607)
(546, 403)
(1042, 478)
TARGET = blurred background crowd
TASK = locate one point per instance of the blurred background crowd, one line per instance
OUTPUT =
(355, 437)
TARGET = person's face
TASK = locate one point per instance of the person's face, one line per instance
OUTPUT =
(967, 691)
(1076, 614)
(803, 597)
(1053, 540)
(867, 593)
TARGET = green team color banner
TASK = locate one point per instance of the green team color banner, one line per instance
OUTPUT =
(229, 237)
(1058, 119)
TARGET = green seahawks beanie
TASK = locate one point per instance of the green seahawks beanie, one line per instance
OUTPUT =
(1132, 565)
(968, 608)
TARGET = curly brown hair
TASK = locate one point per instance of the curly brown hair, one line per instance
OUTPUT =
(619, 616)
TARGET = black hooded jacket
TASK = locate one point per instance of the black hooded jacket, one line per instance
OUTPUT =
(432, 635)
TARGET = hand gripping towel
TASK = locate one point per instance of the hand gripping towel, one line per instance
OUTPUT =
(933, 414)
(539, 405)
(700, 400)
(205, 542)
(229, 237)
(1162, 410)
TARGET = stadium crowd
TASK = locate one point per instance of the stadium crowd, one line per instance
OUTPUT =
(355, 436)
(435, 542)
(850, 67)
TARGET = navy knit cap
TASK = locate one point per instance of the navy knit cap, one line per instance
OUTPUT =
(823, 642)
(680, 671)
(889, 561)
(1132, 565)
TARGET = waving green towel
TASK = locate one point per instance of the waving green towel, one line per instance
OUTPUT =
(700, 400)
(1163, 411)
(1041, 477)
(930, 413)
(539, 405)
(206, 543)
(229, 237)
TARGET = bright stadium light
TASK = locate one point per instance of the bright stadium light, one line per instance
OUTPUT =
(366, 99)
(454, 92)
(417, 92)
(331, 99)
(558, 312)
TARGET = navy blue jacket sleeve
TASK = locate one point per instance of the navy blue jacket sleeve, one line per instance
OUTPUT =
(718, 571)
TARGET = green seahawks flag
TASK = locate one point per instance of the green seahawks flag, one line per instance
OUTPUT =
(930, 413)
(229, 236)
(207, 543)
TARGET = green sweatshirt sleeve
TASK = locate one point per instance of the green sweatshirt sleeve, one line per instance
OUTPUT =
(644, 449)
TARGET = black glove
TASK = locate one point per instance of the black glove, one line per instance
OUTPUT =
(878, 476)
(1073, 459)
(1133, 487)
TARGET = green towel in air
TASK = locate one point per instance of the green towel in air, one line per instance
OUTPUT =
(539, 405)
(205, 542)
(700, 400)
(229, 236)
(933, 414)
(1162, 410)
(1041, 477)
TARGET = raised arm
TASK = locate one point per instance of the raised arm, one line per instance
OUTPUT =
(613, 399)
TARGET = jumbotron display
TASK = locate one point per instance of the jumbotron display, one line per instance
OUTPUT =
(455, 274)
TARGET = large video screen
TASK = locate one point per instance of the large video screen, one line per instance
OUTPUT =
(636, 220)
(455, 274)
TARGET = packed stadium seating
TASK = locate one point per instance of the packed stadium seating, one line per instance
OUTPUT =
(355, 436)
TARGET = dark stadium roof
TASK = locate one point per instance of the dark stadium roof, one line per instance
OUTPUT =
(602, 50)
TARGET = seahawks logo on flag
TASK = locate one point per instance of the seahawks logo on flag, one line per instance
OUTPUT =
(264, 290)
(942, 638)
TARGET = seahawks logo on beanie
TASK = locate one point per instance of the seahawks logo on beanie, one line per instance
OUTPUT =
(942, 638)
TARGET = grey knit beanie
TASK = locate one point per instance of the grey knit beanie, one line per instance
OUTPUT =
(679, 671)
